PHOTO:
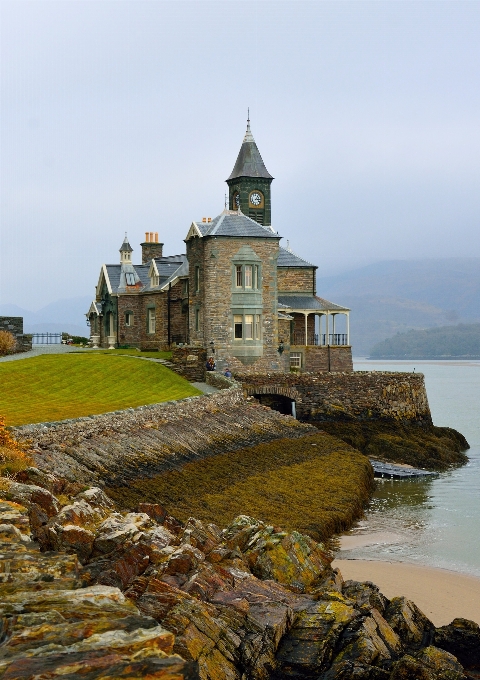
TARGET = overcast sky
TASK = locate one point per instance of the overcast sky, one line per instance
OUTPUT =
(128, 116)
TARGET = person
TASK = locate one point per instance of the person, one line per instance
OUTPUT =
(210, 365)
(228, 373)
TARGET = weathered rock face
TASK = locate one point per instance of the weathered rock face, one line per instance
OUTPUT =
(160, 600)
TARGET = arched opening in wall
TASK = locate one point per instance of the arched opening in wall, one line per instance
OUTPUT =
(278, 402)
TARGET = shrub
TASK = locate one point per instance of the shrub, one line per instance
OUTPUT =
(13, 455)
(7, 343)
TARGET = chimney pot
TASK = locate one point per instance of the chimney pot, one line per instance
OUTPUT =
(204, 219)
(156, 237)
(147, 237)
(209, 219)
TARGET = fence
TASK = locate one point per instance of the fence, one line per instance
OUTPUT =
(314, 339)
(46, 338)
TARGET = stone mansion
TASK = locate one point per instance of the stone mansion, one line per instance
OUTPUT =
(248, 301)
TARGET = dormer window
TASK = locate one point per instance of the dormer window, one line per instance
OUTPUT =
(155, 280)
(130, 278)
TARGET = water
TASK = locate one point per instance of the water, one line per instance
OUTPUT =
(434, 522)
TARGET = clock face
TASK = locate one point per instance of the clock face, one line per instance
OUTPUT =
(255, 198)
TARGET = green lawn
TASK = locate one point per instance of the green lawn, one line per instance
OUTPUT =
(59, 386)
(133, 352)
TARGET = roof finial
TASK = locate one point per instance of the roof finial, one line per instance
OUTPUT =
(248, 119)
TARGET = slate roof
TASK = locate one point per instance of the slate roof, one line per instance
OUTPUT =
(249, 161)
(126, 246)
(288, 259)
(234, 223)
(168, 268)
(312, 302)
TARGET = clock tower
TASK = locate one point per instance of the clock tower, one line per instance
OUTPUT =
(249, 183)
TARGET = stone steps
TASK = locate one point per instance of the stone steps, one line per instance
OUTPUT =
(52, 625)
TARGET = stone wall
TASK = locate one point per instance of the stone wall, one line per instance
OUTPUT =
(190, 362)
(296, 280)
(348, 396)
(14, 325)
(115, 448)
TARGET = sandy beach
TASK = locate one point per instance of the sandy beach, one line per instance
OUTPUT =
(442, 595)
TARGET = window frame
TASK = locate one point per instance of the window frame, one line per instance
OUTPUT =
(151, 321)
(129, 318)
(249, 324)
(197, 278)
(294, 357)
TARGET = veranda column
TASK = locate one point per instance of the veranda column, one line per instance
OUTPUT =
(327, 340)
(333, 329)
(348, 327)
(306, 327)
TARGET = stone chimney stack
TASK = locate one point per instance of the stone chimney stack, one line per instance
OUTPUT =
(151, 247)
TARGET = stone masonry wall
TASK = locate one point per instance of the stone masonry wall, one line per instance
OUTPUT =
(214, 299)
(115, 448)
(296, 280)
(14, 325)
(190, 362)
(354, 395)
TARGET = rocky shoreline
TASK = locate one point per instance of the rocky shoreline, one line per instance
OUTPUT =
(91, 592)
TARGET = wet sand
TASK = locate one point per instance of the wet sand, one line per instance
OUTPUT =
(442, 595)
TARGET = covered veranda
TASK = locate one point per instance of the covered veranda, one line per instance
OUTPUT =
(314, 321)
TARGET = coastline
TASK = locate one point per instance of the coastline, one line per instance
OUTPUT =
(442, 595)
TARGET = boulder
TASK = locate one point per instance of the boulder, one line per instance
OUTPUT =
(154, 510)
(410, 624)
(365, 595)
(117, 529)
(205, 538)
(96, 498)
(429, 663)
(36, 477)
(72, 539)
(462, 639)
(26, 494)
(81, 514)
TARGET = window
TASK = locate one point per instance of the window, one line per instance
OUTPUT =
(185, 288)
(130, 279)
(239, 275)
(197, 279)
(248, 276)
(238, 326)
(257, 327)
(151, 320)
(296, 359)
(128, 318)
(249, 327)
(197, 319)
(154, 281)
(246, 327)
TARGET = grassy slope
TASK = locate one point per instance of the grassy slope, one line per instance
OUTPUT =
(59, 386)
(134, 353)
(316, 484)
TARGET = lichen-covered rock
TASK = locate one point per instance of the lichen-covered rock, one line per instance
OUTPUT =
(365, 595)
(117, 529)
(26, 494)
(154, 510)
(97, 499)
(414, 629)
(462, 639)
(205, 538)
(72, 539)
(81, 514)
(292, 559)
(430, 663)
(36, 477)
(308, 648)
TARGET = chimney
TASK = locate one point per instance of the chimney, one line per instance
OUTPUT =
(151, 247)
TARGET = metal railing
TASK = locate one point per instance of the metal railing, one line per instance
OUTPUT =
(320, 340)
(46, 338)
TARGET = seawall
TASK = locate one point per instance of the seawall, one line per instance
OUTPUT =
(114, 448)
(350, 396)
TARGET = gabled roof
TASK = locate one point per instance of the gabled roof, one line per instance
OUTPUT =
(231, 223)
(287, 258)
(249, 161)
(309, 302)
(167, 268)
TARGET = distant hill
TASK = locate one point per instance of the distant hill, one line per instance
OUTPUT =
(62, 315)
(447, 342)
(399, 295)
